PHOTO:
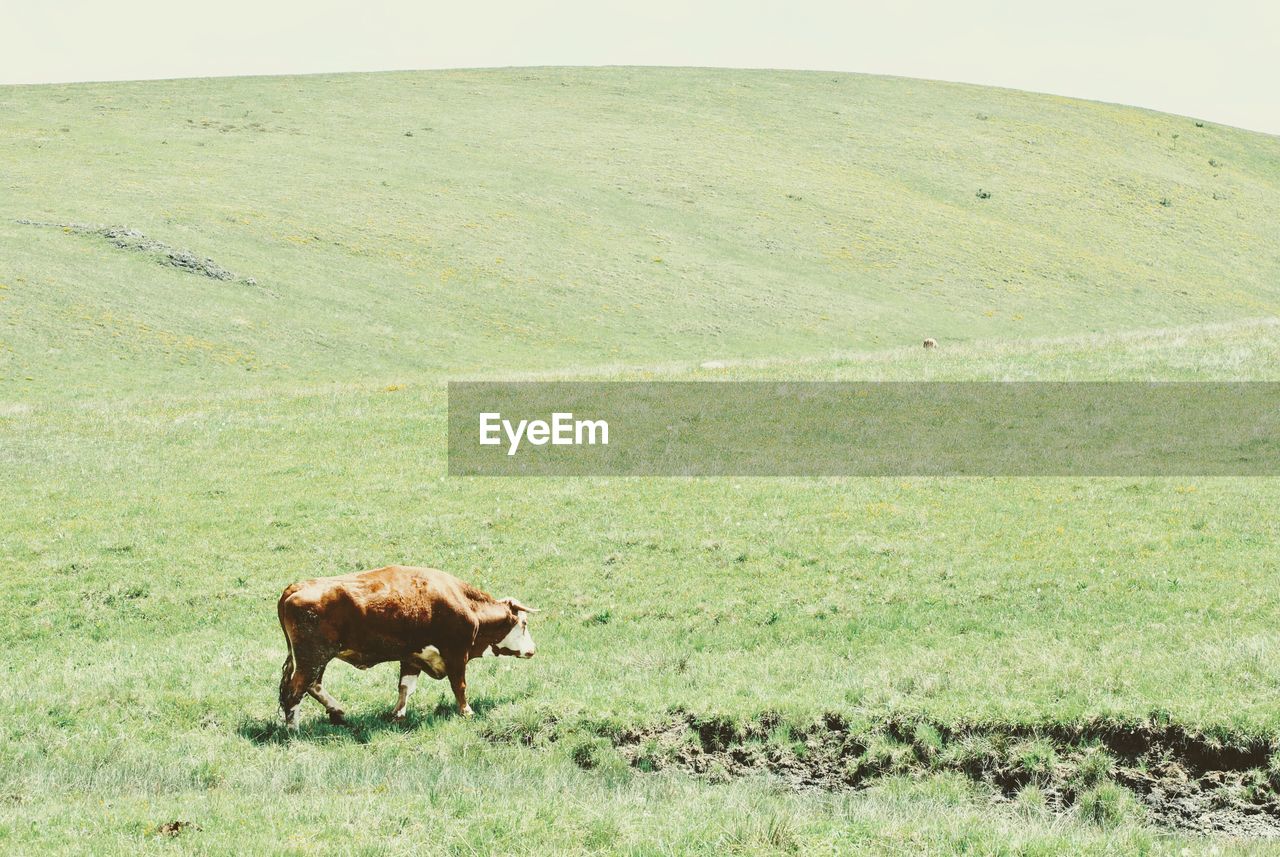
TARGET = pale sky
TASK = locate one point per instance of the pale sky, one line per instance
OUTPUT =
(1213, 59)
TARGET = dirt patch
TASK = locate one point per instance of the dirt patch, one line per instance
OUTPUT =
(131, 239)
(173, 828)
(1184, 780)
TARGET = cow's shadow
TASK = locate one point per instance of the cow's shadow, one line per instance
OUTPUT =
(358, 727)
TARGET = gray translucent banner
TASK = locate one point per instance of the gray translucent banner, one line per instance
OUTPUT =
(863, 429)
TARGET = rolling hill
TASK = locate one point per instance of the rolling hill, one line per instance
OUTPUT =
(227, 310)
(426, 223)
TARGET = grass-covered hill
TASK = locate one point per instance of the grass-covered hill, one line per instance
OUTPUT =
(225, 321)
(422, 223)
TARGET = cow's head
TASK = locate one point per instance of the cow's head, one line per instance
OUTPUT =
(518, 641)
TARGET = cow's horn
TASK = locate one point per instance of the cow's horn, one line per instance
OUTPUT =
(516, 604)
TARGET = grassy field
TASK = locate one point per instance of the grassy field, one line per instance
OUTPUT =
(175, 449)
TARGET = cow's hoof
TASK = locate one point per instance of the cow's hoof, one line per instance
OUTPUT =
(337, 718)
(467, 712)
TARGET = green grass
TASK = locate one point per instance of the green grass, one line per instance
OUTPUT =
(548, 217)
(176, 449)
(151, 538)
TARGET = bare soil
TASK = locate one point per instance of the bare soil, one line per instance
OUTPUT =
(1185, 780)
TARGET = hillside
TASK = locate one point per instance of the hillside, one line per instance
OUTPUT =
(227, 308)
(417, 224)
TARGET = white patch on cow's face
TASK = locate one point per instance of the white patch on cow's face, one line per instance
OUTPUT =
(431, 660)
(519, 641)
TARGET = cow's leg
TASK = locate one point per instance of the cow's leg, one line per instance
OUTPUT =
(408, 681)
(307, 671)
(322, 696)
(455, 665)
(310, 649)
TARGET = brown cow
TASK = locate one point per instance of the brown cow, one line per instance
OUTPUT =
(424, 618)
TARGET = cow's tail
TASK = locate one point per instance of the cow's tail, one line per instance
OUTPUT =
(290, 664)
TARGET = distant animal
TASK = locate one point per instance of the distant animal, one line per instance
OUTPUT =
(428, 620)
(931, 343)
